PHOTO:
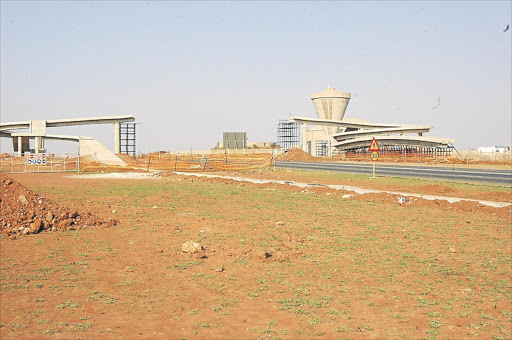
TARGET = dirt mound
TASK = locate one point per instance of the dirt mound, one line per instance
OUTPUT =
(22, 211)
(297, 155)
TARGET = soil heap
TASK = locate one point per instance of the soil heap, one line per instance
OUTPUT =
(22, 211)
(297, 155)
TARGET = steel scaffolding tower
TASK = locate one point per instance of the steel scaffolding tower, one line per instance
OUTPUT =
(288, 135)
(127, 132)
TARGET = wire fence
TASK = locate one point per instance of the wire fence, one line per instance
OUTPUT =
(29, 162)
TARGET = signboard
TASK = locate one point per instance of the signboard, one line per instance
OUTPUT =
(36, 159)
(374, 146)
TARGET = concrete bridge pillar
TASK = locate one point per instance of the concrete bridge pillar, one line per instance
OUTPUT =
(20, 146)
(117, 138)
(304, 137)
(39, 141)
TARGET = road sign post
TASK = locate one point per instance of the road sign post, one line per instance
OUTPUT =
(374, 155)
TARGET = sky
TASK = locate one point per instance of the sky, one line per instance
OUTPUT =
(189, 71)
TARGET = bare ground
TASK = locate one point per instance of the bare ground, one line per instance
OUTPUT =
(279, 262)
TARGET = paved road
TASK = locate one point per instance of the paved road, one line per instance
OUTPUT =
(503, 177)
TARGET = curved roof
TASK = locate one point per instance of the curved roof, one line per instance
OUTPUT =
(354, 123)
(379, 132)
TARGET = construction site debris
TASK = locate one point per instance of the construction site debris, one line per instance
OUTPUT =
(403, 200)
(22, 212)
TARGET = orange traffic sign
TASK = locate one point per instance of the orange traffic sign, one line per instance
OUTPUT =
(374, 146)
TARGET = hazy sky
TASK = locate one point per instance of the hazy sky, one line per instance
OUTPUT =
(189, 71)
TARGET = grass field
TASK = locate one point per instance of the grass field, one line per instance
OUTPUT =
(280, 262)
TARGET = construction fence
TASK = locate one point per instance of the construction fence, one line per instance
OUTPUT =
(211, 162)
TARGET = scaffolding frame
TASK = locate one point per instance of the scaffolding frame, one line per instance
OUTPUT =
(323, 148)
(288, 134)
(128, 138)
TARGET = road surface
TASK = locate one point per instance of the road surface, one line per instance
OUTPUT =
(489, 176)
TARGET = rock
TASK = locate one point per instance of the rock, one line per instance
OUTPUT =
(73, 214)
(49, 217)
(280, 223)
(114, 211)
(452, 250)
(36, 226)
(23, 199)
(191, 247)
(218, 269)
(154, 207)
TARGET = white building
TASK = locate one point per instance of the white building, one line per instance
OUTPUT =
(332, 132)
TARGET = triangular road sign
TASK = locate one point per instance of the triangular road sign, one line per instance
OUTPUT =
(374, 146)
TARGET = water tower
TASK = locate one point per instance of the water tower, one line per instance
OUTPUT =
(330, 104)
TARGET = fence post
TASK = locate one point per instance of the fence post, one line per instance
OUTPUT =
(273, 160)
